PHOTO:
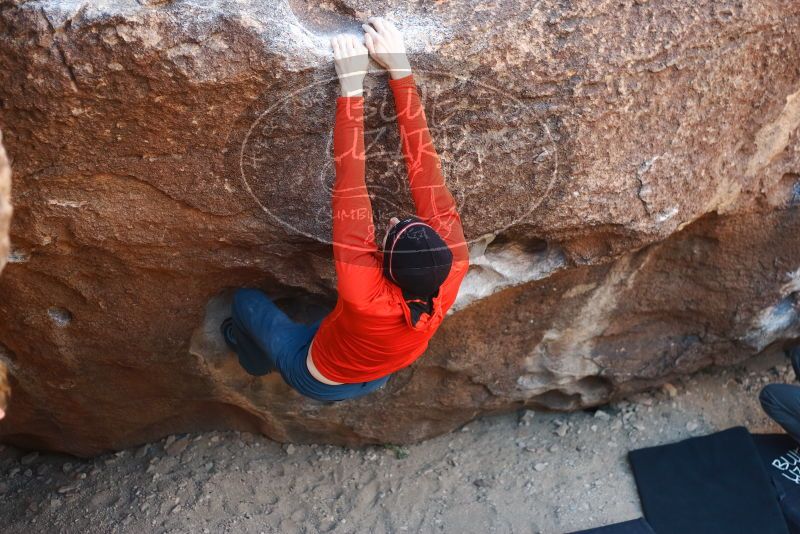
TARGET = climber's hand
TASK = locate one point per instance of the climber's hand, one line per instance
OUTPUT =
(351, 61)
(385, 44)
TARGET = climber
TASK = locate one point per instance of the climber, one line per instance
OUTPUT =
(391, 300)
(782, 401)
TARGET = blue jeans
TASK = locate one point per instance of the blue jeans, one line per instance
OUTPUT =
(267, 339)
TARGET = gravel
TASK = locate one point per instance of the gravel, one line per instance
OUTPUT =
(518, 473)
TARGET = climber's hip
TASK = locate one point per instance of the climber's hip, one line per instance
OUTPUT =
(316, 373)
(270, 340)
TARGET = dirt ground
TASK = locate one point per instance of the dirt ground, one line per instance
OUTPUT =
(518, 473)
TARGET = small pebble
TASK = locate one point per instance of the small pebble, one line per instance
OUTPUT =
(526, 418)
(68, 489)
(600, 414)
(177, 446)
(29, 458)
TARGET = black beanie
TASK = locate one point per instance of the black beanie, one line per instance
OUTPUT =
(416, 257)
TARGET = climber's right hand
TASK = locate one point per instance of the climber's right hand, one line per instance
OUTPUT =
(351, 61)
(385, 44)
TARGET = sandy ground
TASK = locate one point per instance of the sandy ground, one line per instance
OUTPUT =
(519, 473)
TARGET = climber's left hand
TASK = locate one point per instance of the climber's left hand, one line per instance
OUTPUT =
(351, 61)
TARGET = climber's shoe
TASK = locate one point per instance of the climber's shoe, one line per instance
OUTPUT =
(227, 333)
(251, 357)
(793, 353)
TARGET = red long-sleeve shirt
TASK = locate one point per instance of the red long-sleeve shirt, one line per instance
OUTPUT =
(370, 333)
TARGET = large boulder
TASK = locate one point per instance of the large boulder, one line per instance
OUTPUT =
(628, 174)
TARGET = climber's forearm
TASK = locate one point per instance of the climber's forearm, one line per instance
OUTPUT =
(353, 231)
(434, 202)
(354, 247)
(352, 209)
(422, 160)
(355, 253)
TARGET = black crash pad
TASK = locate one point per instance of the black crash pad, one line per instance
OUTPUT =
(714, 484)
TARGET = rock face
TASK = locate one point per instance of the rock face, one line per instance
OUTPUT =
(628, 174)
